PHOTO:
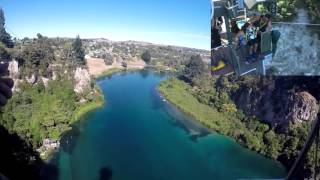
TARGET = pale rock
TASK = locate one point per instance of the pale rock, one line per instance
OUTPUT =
(45, 81)
(304, 107)
(54, 75)
(14, 73)
(82, 81)
(32, 79)
(13, 69)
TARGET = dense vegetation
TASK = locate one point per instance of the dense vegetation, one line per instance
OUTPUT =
(36, 112)
(208, 99)
(44, 103)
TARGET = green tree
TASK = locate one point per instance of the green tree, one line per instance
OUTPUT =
(39, 36)
(273, 145)
(194, 69)
(36, 57)
(4, 54)
(5, 37)
(40, 86)
(146, 56)
(79, 51)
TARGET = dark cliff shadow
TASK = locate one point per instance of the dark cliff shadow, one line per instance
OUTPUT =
(18, 159)
(69, 139)
(300, 83)
(105, 173)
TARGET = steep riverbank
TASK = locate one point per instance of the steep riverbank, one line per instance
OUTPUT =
(178, 93)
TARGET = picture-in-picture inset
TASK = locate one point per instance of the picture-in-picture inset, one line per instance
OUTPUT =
(257, 37)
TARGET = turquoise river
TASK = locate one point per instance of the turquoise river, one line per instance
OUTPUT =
(138, 135)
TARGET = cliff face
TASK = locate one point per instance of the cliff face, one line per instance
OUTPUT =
(303, 107)
(14, 72)
(82, 82)
(278, 101)
(81, 77)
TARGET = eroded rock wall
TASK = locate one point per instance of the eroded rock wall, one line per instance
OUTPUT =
(279, 100)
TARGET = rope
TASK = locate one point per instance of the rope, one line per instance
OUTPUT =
(296, 23)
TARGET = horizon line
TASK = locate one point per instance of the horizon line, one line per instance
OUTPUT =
(112, 40)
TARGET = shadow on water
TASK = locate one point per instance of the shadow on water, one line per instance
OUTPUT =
(105, 173)
(68, 143)
(69, 139)
(18, 159)
(193, 128)
(156, 98)
(144, 73)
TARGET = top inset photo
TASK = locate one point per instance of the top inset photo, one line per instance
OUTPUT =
(265, 37)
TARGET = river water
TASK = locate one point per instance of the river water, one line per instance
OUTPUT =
(138, 136)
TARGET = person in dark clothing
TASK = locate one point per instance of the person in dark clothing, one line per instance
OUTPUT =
(251, 36)
(234, 27)
(215, 35)
(265, 24)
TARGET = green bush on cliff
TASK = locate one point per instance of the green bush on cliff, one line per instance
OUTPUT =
(35, 113)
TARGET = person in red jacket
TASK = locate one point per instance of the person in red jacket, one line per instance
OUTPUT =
(6, 85)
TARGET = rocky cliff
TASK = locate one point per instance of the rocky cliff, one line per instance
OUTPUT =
(279, 101)
(14, 72)
(82, 81)
(81, 78)
(303, 107)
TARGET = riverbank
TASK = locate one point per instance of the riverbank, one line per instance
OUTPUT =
(193, 127)
(87, 107)
(108, 73)
(176, 92)
(46, 152)
(252, 134)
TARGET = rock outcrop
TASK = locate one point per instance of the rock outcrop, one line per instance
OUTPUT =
(14, 69)
(278, 101)
(32, 79)
(303, 107)
(45, 81)
(14, 73)
(82, 81)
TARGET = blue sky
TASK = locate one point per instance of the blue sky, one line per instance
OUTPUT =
(173, 22)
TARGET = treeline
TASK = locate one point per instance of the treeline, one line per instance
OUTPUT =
(209, 99)
(35, 55)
